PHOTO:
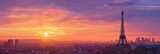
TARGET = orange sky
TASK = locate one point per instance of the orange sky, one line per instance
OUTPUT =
(33, 22)
(60, 23)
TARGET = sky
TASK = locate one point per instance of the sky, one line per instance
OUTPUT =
(86, 20)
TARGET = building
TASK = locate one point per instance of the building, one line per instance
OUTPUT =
(153, 40)
(16, 43)
(10, 43)
(138, 40)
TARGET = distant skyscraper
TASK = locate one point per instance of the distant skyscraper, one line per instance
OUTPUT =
(6, 45)
(143, 40)
(138, 40)
(153, 40)
(10, 43)
(149, 40)
(16, 43)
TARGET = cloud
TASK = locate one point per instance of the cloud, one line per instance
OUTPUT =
(123, 3)
(33, 15)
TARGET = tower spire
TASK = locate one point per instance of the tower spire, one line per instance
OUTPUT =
(122, 23)
(122, 37)
(122, 47)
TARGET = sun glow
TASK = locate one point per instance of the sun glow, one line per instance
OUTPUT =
(46, 34)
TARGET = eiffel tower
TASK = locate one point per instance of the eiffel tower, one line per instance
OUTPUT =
(122, 37)
(122, 47)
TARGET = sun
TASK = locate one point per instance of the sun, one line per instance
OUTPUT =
(46, 34)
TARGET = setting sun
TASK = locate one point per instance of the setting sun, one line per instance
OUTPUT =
(45, 34)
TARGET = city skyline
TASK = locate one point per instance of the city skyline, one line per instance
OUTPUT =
(93, 20)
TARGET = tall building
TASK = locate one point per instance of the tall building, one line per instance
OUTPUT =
(9, 44)
(138, 40)
(6, 45)
(16, 43)
(143, 40)
(153, 40)
(122, 47)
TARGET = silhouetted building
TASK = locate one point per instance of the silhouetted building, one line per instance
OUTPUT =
(9, 44)
(5, 44)
(143, 40)
(153, 40)
(138, 40)
(16, 43)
